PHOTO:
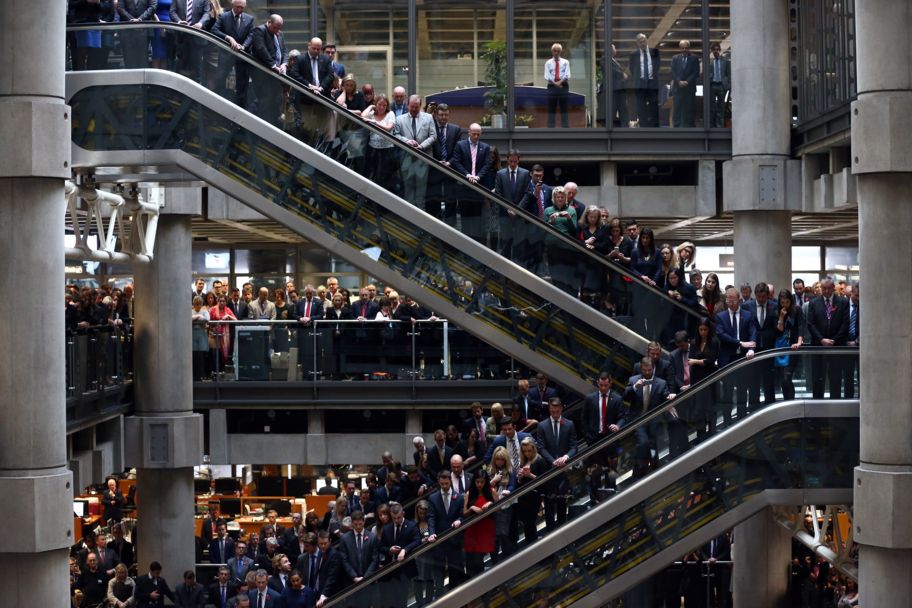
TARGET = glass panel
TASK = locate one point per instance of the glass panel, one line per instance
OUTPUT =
(260, 261)
(652, 437)
(718, 71)
(461, 60)
(842, 262)
(662, 87)
(825, 57)
(543, 97)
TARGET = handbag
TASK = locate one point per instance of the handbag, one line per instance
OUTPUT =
(782, 342)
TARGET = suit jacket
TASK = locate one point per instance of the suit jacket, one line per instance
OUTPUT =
(564, 444)
(124, 551)
(215, 594)
(137, 9)
(462, 159)
(529, 203)
(441, 519)
(657, 394)
(729, 344)
(719, 548)
(384, 496)
(433, 458)
(685, 66)
(616, 412)
(409, 539)
(766, 334)
(361, 564)
(531, 408)
(635, 80)
(541, 399)
(216, 557)
(660, 369)
(145, 585)
(453, 133)
(325, 73)
(200, 12)
(504, 189)
(272, 598)
(835, 328)
(678, 361)
(501, 442)
(190, 597)
(239, 570)
(264, 46)
(303, 566)
(725, 74)
(316, 308)
(225, 25)
(275, 583)
(367, 310)
(425, 132)
(255, 311)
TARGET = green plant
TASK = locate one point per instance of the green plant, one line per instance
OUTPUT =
(524, 120)
(494, 54)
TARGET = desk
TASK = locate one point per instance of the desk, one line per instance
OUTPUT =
(319, 503)
(80, 524)
(253, 524)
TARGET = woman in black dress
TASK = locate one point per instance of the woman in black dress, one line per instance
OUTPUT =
(702, 362)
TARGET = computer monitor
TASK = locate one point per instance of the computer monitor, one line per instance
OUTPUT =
(282, 508)
(271, 486)
(227, 485)
(299, 487)
(201, 486)
(230, 506)
(80, 508)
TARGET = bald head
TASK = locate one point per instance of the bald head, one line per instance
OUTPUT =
(474, 132)
(315, 47)
(399, 95)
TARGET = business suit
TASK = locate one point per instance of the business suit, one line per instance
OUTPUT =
(216, 554)
(240, 29)
(684, 67)
(215, 594)
(190, 49)
(551, 448)
(261, 310)
(308, 574)
(719, 86)
(414, 169)
(193, 596)
(443, 189)
(361, 563)
(766, 340)
(270, 599)
(512, 185)
(239, 568)
(730, 350)
(135, 43)
(448, 555)
(470, 202)
(719, 549)
(304, 72)
(144, 587)
(641, 403)
(501, 442)
(539, 398)
(269, 50)
(277, 583)
(660, 369)
(592, 423)
(394, 588)
(822, 326)
(531, 410)
(438, 462)
(531, 248)
(645, 84)
(850, 364)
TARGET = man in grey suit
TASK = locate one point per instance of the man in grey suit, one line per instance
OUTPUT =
(235, 27)
(360, 557)
(194, 13)
(262, 308)
(719, 86)
(417, 129)
(510, 183)
(268, 47)
(557, 445)
(135, 42)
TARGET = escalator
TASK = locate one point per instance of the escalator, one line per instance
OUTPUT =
(688, 488)
(309, 173)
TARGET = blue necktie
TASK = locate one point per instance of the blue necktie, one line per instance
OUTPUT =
(278, 49)
(853, 323)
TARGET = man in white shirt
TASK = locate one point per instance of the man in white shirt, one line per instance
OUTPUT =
(557, 75)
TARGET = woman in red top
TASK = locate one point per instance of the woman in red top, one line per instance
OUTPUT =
(220, 333)
(479, 537)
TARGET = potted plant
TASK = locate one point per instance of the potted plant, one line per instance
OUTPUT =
(494, 54)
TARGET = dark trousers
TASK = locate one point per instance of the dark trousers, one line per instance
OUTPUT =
(849, 369)
(823, 370)
(241, 80)
(717, 104)
(683, 106)
(449, 560)
(647, 101)
(135, 46)
(558, 97)
(269, 97)
(619, 99)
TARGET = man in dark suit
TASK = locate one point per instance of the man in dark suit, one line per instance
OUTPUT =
(268, 47)
(719, 86)
(122, 548)
(442, 188)
(135, 42)
(151, 589)
(314, 69)
(241, 563)
(737, 338)
(445, 513)
(478, 422)
(262, 596)
(190, 49)
(540, 394)
(685, 71)
(280, 578)
(306, 310)
(235, 27)
(536, 199)
(765, 313)
(510, 439)
(661, 363)
(718, 550)
(556, 440)
(603, 411)
(645, 391)
(397, 539)
(472, 158)
(530, 411)
(190, 594)
(828, 324)
(679, 376)
(850, 368)
(619, 80)
(439, 454)
(511, 183)
(360, 550)
(644, 66)
(223, 589)
(221, 548)
(308, 561)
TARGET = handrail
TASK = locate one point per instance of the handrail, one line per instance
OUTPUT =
(581, 456)
(329, 104)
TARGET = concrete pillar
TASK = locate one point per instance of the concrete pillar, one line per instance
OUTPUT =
(762, 553)
(761, 184)
(882, 162)
(34, 162)
(763, 241)
(166, 437)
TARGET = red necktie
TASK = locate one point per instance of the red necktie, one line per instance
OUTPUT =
(307, 309)
(604, 413)
(541, 203)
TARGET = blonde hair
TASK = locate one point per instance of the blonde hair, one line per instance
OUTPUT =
(522, 457)
(508, 464)
(558, 190)
(557, 45)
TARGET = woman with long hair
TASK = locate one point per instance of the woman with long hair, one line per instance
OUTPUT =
(702, 362)
(561, 257)
(503, 483)
(668, 260)
(381, 158)
(221, 333)
(200, 333)
(423, 585)
(479, 538)
(120, 589)
(790, 332)
(644, 262)
(713, 301)
(594, 234)
(531, 465)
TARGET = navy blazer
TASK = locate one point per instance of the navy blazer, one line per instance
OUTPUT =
(729, 345)
(453, 133)
(272, 598)
(658, 394)
(200, 12)
(531, 408)
(565, 444)
(218, 558)
(462, 159)
(409, 539)
(316, 308)
(766, 335)
(541, 400)
(367, 562)
(529, 202)
(367, 309)
(685, 66)
(616, 414)
(225, 26)
(504, 189)
(633, 67)
(835, 328)
(439, 519)
(501, 442)
(324, 72)
(263, 47)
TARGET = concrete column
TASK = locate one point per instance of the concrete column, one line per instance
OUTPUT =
(166, 437)
(882, 162)
(763, 241)
(34, 162)
(761, 179)
(762, 553)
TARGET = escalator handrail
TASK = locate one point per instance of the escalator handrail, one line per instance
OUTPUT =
(707, 384)
(330, 105)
